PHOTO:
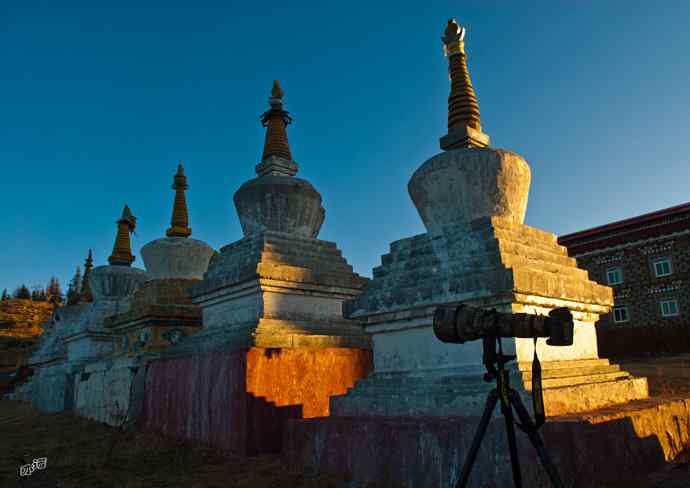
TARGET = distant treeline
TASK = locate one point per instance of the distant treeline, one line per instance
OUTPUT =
(52, 292)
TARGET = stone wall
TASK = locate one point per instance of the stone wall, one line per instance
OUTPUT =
(241, 400)
(610, 446)
(102, 390)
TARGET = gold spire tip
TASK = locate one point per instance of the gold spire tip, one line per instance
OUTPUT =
(464, 120)
(122, 250)
(277, 91)
(180, 217)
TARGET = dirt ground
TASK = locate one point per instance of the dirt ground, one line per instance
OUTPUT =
(86, 454)
(83, 453)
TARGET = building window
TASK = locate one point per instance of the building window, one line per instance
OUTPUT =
(620, 314)
(662, 267)
(669, 308)
(614, 276)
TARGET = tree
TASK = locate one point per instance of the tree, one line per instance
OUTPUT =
(54, 292)
(37, 293)
(22, 293)
(74, 287)
(5, 295)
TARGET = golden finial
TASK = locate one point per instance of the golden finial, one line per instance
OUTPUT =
(180, 217)
(277, 91)
(122, 251)
(276, 120)
(85, 294)
(464, 124)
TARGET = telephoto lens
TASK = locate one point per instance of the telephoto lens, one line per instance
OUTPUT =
(462, 323)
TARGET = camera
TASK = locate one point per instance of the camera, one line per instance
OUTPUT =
(462, 323)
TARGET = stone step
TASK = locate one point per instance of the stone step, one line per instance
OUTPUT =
(579, 380)
(576, 363)
(301, 250)
(279, 326)
(568, 372)
(299, 244)
(518, 234)
(516, 248)
(325, 263)
(513, 261)
(535, 282)
(507, 224)
(590, 396)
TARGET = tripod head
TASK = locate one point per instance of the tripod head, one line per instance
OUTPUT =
(493, 358)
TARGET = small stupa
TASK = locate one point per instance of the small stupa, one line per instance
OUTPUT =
(162, 312)
(177, 256)
(276, 200)
(111, 288)
(272, 308)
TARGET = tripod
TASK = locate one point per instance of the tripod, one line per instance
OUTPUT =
(509, 398)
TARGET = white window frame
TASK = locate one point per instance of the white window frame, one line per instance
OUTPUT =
(627, 315)
(613, 270)
(656, 270)
(668, 301)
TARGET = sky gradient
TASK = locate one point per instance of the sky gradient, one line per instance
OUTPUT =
(99, 104)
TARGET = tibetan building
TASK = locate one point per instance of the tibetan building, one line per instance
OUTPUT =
(646, 260)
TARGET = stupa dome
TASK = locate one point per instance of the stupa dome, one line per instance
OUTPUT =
(276, 200)
(177, 255)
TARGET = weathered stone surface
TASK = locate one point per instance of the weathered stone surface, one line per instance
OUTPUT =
(176, 257)
(279, 290)
(102, 389)
(240, 400)
(458, 186)
(52, 388)
(279, 203)
(63, 324)
(613, 445)
(115, 282)
(492, 262)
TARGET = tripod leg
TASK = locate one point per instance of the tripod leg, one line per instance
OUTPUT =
(535, 439)
(478, 436)
(512, 445)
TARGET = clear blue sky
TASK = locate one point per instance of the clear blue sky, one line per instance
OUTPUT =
(99, 103)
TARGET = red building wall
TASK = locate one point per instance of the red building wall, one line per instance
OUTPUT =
(241, 400)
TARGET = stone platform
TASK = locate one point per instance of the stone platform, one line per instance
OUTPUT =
(612, 445)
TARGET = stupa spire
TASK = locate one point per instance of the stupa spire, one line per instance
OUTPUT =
(180, 217)
(464, 122)
(277, 158)
(122, 251)
(85, 294)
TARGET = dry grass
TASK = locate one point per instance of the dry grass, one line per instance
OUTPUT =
(83, 453)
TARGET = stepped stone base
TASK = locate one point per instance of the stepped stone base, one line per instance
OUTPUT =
(161, 315)
(568, 387)
(490, 262)
(279, 290)
(580, 386)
